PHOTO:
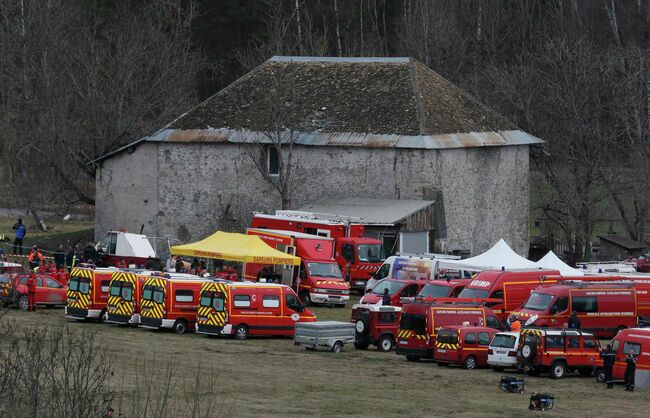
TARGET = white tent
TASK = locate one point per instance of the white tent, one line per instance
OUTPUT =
(552, 262)
(498, 257)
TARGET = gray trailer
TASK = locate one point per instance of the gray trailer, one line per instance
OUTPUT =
(330, 334)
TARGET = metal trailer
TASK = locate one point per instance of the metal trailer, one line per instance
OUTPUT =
(331, 334)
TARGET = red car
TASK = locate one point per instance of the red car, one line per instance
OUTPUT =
(49, 292)
(398, 290)
(457, 344)
(375, 324)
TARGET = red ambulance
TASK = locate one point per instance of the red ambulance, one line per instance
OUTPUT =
(245, 308)
(603, 308)
(318, 280)
(419, 324)
(511, 286)
(87, 294)
(357, 256)
(637, 342)
(170, 301)
(124, 291)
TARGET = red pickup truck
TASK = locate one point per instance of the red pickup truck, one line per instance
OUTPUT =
(49, 291)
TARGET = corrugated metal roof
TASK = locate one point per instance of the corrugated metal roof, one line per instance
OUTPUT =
(369, 211)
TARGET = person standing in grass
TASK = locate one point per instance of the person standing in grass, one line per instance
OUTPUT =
(21, 231)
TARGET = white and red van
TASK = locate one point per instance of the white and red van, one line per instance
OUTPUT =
(512, 287)
(358, 257)
(416, 267)
(244, 308)
(319, 278)
(419, 324)
(603, 308)
(170, 301)
(637, 342)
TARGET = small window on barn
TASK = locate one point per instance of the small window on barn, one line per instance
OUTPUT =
(272, 161)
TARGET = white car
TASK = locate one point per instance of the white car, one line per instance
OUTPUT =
(502, 352)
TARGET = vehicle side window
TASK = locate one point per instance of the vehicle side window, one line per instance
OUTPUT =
(292, 301)
(454, 293)
(483, 338)
(39, 281)
(590, 342)
(303, 271)
(104, 285)
(383, 271)
(497, 294)
(573, 342)
(634, 348)
(183, 295)
(584, 304)
(270, 301)
(242, 301)
(615, 345)
(562, 304)
(387, 317)
(52, 283)
(409, 291)
(554, 342)
(347, 251)
(23, 280)
(493, 322)
(470, 338)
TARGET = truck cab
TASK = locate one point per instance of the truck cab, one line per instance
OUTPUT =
(359, 258)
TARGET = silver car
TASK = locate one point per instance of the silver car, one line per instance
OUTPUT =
(502, 352)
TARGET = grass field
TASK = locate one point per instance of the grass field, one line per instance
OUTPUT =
(272, 377)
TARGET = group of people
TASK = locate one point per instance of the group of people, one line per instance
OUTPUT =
(175, 264)
(609, 358)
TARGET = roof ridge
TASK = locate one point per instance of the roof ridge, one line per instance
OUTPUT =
(417, 95)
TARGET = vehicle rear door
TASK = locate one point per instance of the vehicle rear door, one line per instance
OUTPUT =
(482, 344)
(41, 295)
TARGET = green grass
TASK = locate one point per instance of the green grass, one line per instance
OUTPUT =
(272, 377)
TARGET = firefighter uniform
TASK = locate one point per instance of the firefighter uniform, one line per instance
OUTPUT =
(609, 358)
(31, 293)
(630, 370)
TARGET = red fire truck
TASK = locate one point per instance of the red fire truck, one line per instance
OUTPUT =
(88, 293)
(170, 301)
(318, 280)
(243, 309)
(358, 257)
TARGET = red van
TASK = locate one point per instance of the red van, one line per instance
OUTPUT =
(170, 302)
(637, 341)
(603, 308)
(87, 294)
(244, 308)
(466, 345)
(419, 324)
(397, 289)
(442, 289)
(125, 291)
(511, 286)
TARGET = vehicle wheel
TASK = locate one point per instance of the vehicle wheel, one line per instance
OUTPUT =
(337, 347)
(528, 352)
(361, 345)
(179, 326)
(102, 317)
(600, 376)
(411, 357)
(241, 332)
(306, 299)
(470, 363)
(361, 326)
(558, 370)
(23, 303)
(385, 343)
(498, 369)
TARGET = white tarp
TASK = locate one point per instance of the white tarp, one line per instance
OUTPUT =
(552, 262)
(498, 257)
(133, 245)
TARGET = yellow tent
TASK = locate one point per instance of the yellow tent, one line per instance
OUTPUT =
(235, 247)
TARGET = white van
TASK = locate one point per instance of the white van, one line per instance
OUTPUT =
(502, 352)
(415, 267)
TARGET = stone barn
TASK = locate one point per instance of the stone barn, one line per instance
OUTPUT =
(296, 129)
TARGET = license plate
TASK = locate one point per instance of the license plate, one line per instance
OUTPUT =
(442, 350)
(403, 342)
(203, 318)
(501, 352)
(335, 297)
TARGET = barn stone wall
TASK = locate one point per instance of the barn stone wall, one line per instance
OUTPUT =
(203, 187)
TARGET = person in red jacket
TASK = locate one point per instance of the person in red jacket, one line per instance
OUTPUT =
(121, 264)
(31, 293)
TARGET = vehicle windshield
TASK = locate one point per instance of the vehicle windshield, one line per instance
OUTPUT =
(447, 337)
(324, 270)
(392, 286)
(503, 341)
(5, 278)
(413, 322)
(158, 294)
(434, 291)
(371, 253)
(538, 301)
(474, 293)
